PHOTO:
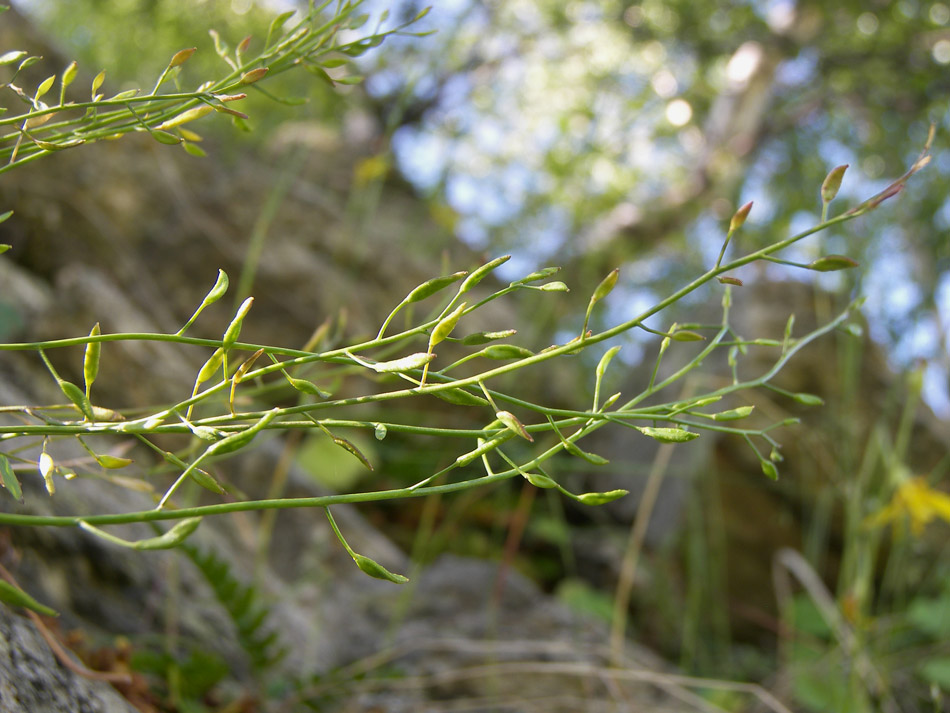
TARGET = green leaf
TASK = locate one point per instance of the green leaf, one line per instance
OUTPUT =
(668, 435)
(600, 498)
(17, 597)
(9, 478)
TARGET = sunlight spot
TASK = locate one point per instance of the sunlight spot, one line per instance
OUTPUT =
(743, 64)
(941, 51)
(939, 13)
(664, 83)
(867, 23)
(679, 112)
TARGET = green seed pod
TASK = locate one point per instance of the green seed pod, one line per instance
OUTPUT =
(605, 361)
(238, 440)
(540, 481)
(186, 116)
(557, 286)
(831, 263)
(730, 281)
(601, 498)
(808, 399)
(460, 397)
(69, 74)
(734, 414)
(668, 435)
(684, 335)
(97, 82)
(18, 598)
(45, 86)
(374, 569)
(308, 387)
(90, 362)
(112, 462)
(211, 366)
(350, 448)
(505, 351)
(738, 219)
(606, 286)
(445, 326)
(253, 75)
(535, 276)
(832, 183)
(407, 363)
(181, 56)
(481, 273)
(512, 423)
(9, 479)
(217, 292)
(78, 397)
(174, 537)
(775, 456)
(484, 337)
(46, 466)
(768, 467)
(430, 287)
(380, 431)
(203, 479)
(234, 329)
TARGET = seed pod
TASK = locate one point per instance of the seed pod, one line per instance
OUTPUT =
(535, 276)
(46, 466)
(186, 116)
(831, 263)
(512, 423)
(808, 399)
(505, 351)
(90, 362)
(18, 598)
(734, 414)
(211, 366)
(430, 287)
(181, 56)
(112, 462)
(238, 440)
(540, 481)
(234, 329)
(460, 397)
(307, 387)
(605, 361)
(69, 74)
(349, 447)
(253, 75)
(738, 219)
(768, 467)
(481, 273)
(730, 281)
(606, 286)
(44, 87)
(832, 183)
(601, 498)
(9, 479)
(203, 479)
(483, 337)
(556, 286)
(78, 397)
(97, 82)
(445, 326)
(668, 435)
(684, 335)
(375, 569)
(407, 363)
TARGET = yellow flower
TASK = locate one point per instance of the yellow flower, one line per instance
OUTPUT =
(913, 498)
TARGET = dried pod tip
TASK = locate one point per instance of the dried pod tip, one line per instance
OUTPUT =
(832, 183)
(739, 217)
